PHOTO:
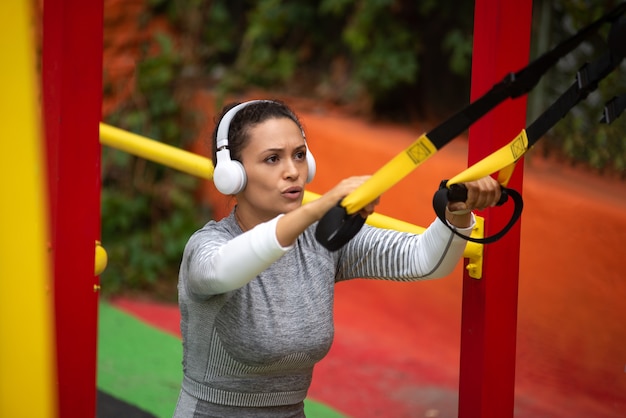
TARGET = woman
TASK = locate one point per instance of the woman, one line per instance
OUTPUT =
(256, 288)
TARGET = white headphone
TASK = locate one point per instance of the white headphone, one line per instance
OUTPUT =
(229, 175)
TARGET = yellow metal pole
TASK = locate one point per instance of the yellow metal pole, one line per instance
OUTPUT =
(199, 166)
(27, 370)
(156, 151)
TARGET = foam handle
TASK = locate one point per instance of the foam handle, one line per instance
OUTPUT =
(458, 193)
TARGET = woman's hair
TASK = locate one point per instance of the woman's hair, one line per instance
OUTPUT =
(247, 118)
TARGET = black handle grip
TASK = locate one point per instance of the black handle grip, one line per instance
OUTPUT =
(336, 228)
(458, 193)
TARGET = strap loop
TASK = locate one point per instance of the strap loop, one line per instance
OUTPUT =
(458, 193)
(336, 227)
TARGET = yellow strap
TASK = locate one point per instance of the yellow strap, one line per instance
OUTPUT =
(505, 174)
(389, 174)
(503, 159)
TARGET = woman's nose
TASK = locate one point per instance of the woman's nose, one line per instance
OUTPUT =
(291, 169)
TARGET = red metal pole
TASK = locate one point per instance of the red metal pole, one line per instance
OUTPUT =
(72, 102)
(489, 314)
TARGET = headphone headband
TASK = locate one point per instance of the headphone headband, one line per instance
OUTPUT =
(224, 125)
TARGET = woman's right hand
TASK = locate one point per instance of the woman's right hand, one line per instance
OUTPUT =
(293, 223)
(341, 190)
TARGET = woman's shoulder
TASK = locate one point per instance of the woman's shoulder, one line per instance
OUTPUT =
(226, 227)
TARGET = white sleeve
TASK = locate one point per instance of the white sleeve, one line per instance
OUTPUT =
(236, 262)
(467, 231)
(452, 249)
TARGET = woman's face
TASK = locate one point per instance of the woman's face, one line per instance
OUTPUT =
(276, 168)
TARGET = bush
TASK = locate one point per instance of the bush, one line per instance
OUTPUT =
(148, 210)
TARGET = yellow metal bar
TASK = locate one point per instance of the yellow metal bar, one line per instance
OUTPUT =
(27, 345)
(203, 167)
(156, 151)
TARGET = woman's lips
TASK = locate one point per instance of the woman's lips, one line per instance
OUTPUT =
(292, 193)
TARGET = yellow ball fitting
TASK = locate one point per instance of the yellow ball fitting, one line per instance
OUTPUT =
(101, 259)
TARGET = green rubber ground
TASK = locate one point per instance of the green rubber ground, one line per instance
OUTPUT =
(141, 365)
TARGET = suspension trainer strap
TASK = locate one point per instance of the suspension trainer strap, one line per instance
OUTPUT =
(617, 42)
(513, 85)
(613, 109)
(504, 159)
(587, 79)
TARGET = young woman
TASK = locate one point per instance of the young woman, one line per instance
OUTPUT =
(256, 288)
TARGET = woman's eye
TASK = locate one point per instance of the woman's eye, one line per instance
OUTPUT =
(272, 159)
(300, 155)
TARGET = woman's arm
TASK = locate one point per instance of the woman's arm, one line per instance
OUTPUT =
(218, 269)
(232, 265)
(386, 254)
(215, 269)
(297, 221)
(481, 193)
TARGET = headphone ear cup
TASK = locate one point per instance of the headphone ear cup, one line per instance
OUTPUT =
(229, 175)
(312, 166)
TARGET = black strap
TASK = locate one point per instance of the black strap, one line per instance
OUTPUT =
(517, 84)
(459, 194)
(617, 43)
(587, 79)
(613, 109)
(335, 230)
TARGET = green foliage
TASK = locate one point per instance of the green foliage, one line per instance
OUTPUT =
(148, 211)
(382, 51)
(459, 46)
(276, 43)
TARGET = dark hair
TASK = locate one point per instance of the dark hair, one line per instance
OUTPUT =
(247, 118)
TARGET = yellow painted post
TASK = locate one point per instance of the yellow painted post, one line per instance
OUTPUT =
(27, 366)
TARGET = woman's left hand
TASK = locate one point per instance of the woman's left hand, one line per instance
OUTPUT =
(481, 194)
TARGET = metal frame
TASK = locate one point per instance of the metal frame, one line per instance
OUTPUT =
(72, 93)
(489, 313)
(72, 108)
